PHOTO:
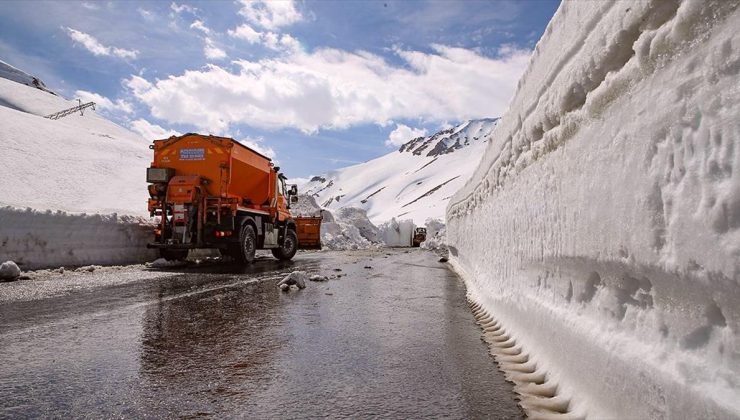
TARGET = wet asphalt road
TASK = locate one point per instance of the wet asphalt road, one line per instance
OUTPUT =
(396, 340)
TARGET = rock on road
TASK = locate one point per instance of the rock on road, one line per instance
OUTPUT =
(392, 337)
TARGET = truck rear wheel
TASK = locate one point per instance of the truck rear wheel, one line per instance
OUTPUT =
(289, 247)
(173, 254)
(247, 245)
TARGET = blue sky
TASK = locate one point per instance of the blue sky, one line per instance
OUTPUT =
(317, 84)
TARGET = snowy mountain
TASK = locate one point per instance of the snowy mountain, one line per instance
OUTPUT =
(414, 182)
(11, 73)
(80, 163)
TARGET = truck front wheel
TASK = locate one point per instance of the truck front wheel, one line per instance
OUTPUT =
(247, 245)
(289, 247)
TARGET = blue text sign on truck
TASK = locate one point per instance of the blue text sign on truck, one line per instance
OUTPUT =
(192, 154)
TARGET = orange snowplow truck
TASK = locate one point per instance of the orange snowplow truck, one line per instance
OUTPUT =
(213, 192)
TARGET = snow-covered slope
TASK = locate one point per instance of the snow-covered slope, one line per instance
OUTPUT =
(83, 164)
(11, 73)
(414, 182)
(77, 164)
(602, 227)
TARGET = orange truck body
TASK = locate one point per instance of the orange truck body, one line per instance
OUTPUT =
(309, 232)
(207, 190)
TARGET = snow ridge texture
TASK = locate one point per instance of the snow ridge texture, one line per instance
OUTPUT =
(602, 226)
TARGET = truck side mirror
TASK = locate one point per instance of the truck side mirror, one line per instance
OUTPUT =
(294, 190)
(293, 198)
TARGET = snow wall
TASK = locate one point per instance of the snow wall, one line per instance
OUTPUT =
(51, 239)
(602, 227)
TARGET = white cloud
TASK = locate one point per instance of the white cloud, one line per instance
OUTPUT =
(334, 89)
(198, 24)
(246, 33)
(256, 145)
(283, 42)
(151, 131)
(270, 14)
(272, 40)
(146, 14)
(90, 6)
(179, 8)
(94, 46)
(103, 103)
(212, 52)
(403, 134)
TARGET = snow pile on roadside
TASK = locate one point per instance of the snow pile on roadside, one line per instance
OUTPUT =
(397, 232)
(358, 218)
(9, 271)
(349, 228)
(602, 227)
(305, 207)
(36, 239)
(296, 278)
(163, 263)
(339, 235)
(436, 235)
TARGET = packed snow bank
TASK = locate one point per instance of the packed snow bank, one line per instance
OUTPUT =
(79, 164)
(348, 229)
(397, 232)
(602, 227)
(51, 239)
(436, 235)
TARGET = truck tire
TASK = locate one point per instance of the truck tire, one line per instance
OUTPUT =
(247, 245)
(289, 247)
(173, 254)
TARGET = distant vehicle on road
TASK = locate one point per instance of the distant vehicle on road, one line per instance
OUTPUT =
(420, 235)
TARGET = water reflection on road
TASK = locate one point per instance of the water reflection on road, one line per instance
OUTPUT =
(393, 340)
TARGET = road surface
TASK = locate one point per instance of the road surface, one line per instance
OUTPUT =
(391, 337)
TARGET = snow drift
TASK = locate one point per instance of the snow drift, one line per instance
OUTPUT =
(35, 239)
(349, 228)
(602, 226)
(79, 164)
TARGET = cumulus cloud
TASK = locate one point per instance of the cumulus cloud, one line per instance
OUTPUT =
(270, 14)
(94, 46)
(333, 89)
(246, 33)
(199, 25)
(403, 134)
(151, 131)
(272, 40)
(103, 103)
(212, 52)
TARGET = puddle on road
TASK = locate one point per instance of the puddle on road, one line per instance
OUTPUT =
(213, 341)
